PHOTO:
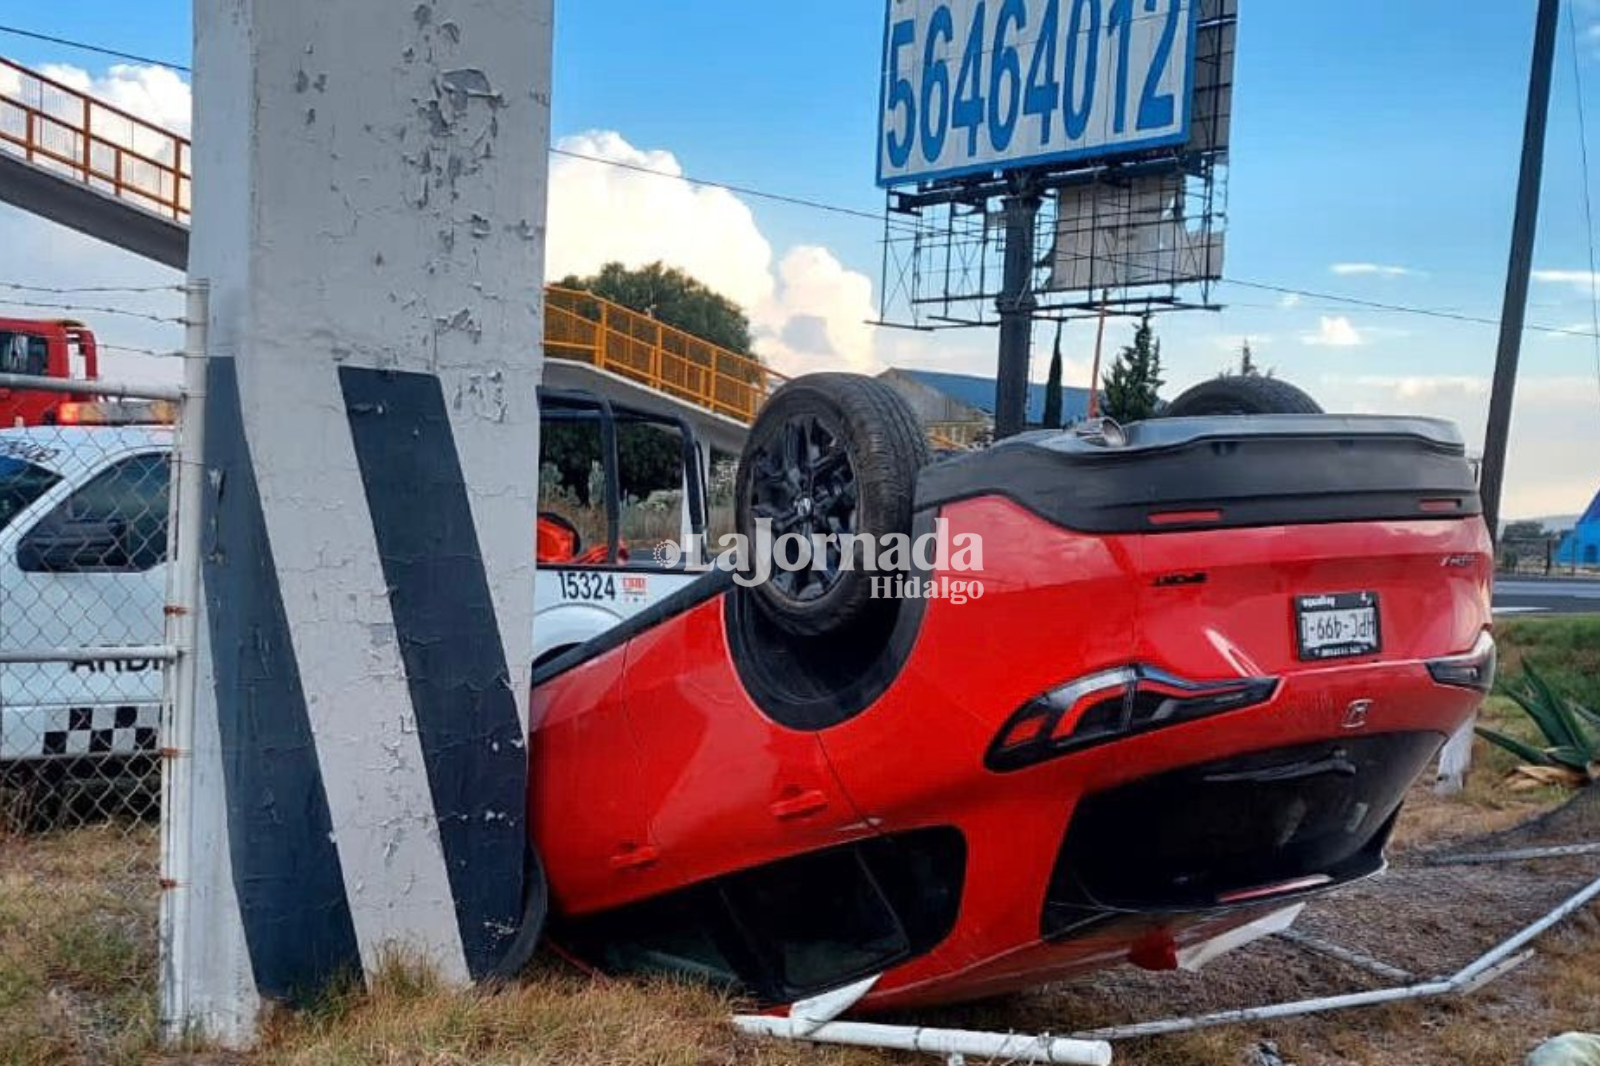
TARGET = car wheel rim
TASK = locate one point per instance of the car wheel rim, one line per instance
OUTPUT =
(805, 483)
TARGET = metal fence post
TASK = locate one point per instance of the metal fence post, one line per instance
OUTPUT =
(178, 709)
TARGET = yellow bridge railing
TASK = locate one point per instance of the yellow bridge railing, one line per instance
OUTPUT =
(584, 328)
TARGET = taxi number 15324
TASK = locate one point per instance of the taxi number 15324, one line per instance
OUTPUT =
(588, 585)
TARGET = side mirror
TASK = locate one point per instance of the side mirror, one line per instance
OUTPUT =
(73, 546)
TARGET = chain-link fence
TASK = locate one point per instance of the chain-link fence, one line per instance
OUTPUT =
(86, 506)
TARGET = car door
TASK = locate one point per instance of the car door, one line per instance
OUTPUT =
(726, 788)
(91, 572)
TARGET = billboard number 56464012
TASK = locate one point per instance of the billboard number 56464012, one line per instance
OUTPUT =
(988, 85)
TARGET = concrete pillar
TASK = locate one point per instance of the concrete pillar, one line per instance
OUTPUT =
(370, 185)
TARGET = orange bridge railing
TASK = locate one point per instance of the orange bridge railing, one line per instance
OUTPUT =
(54, 126)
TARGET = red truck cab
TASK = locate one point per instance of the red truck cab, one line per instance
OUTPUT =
(39, 348)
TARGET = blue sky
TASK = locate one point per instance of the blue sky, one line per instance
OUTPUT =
(1366, 132)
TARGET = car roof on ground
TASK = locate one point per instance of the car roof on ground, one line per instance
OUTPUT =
(72, 450)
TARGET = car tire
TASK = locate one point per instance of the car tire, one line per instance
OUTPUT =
(535, 910)
(1242, 396)
(828, 454)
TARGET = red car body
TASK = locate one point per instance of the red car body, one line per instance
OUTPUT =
(701, 805)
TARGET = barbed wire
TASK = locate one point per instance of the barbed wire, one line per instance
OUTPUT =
(78, 290)
(159, 354)
(86, 309)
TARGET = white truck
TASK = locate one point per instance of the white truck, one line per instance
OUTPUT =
(83, 539)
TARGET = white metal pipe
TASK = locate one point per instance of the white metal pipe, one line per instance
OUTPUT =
(178, 711)
(161, 653)
(1516, 943)
(114, 389)
(1557, 851)
(1168, 1026)
(1466, 979)
(998, 1047)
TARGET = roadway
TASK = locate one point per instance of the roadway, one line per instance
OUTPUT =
(1546, 595)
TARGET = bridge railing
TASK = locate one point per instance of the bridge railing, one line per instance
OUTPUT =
(59, 128)
(584, 328)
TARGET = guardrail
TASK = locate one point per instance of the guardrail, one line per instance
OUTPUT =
(52, 125)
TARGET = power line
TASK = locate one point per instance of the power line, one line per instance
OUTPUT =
(742, 190)
(1588, 206)
(17, 31)
(1376, 305)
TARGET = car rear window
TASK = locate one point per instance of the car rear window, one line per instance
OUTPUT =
(20, 484)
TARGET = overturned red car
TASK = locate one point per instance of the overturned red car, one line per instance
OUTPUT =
(1208, 657)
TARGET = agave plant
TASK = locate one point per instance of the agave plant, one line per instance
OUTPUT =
(1571, 755)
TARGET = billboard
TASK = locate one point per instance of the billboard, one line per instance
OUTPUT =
(977, 86)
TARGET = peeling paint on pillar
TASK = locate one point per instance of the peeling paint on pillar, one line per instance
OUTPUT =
(369, 197)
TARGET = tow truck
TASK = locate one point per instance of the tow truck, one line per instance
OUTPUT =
(59, 348)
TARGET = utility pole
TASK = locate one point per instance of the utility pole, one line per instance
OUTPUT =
(1016, 306)
(1099, 343)
(1522, 235)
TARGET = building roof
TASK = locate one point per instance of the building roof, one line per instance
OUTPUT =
(1592, 515)
(975, 391)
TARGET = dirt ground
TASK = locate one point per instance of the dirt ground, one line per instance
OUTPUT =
(1426, 918)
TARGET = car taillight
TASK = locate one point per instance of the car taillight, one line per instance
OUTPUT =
(1474, 670)
(1112, 704)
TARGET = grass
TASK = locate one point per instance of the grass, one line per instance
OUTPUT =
(77, 946)
(77, 970)
(1566, 650)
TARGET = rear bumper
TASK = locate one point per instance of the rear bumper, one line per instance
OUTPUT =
(1233, 832)
(1134, 850)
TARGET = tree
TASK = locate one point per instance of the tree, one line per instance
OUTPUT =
(672, 298)
(1135, 377)
(1052, 387)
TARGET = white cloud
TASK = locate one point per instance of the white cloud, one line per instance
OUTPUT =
(1554, 463)
(807, 310)
(1333, 331)
(1581, 280)
(1382, 270)
(1289, 300)
(1426, 388)
(155, 94)
(1570, 331)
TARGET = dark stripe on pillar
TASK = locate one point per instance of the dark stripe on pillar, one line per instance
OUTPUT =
(472, 739)
(286, 869)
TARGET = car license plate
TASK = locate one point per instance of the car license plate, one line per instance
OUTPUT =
(1337, 625)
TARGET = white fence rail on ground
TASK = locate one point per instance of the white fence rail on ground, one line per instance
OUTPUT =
(97, 599)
